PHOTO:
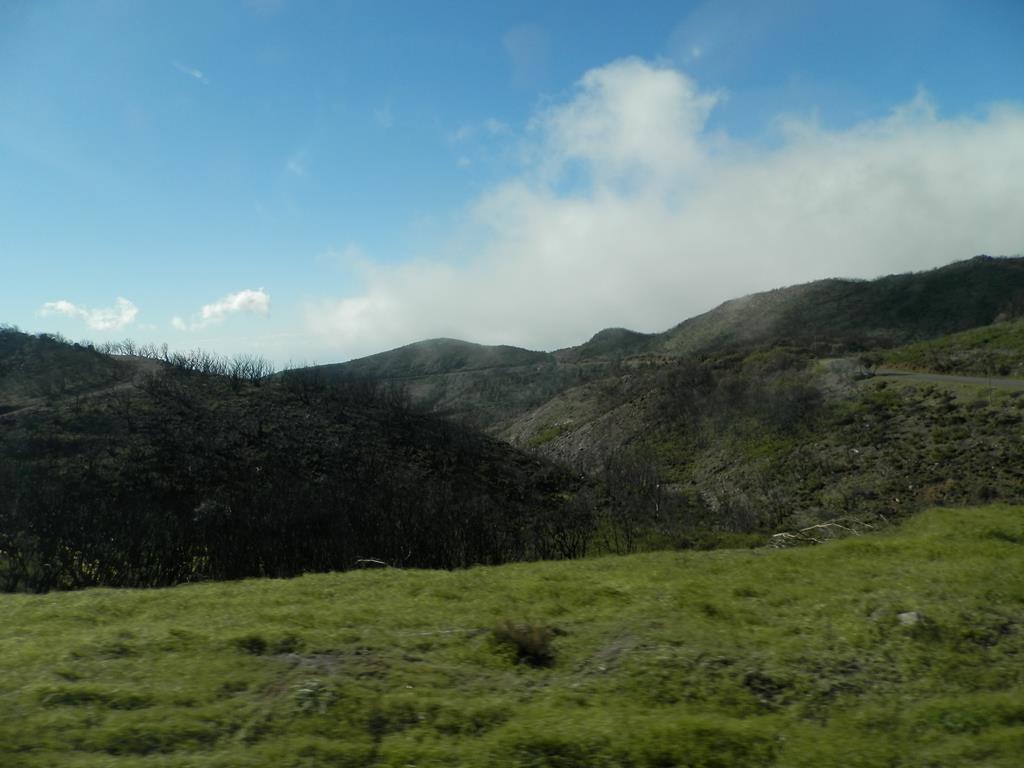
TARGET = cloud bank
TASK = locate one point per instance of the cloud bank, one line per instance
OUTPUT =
(630, 213)
(256, 302)
(122, 314)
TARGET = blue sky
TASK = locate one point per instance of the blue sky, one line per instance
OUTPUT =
(319, 181)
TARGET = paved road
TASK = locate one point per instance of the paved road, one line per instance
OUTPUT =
(996, 382)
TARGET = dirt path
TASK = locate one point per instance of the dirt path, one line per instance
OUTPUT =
(996, 382)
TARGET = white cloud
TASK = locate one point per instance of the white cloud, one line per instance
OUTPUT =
(191, 72)
(250, 301)
(629, 122)
(123, 313)
(630, 213)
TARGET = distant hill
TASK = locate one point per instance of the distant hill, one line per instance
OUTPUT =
(436, 356)
(480, 384)
(611, 343)
(493, 387)
(862, 313)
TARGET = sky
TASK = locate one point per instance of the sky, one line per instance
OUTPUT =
(318, 181)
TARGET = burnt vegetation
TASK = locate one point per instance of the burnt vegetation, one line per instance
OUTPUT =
(187, 467)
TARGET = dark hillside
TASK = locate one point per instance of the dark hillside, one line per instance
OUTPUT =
(33, 368)
(183, 476)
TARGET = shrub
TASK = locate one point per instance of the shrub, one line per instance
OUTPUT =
(531, 642)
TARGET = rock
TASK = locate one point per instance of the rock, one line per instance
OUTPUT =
(908, 618)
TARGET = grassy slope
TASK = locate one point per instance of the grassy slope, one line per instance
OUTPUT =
(729, 658)
(996, 349)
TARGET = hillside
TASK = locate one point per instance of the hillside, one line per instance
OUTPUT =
(118, 477)
(778, 438)
(750, 418)
(992, 350)
(36, 368)
(898, 650)
(860, 314)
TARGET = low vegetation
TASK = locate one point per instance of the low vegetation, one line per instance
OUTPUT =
(899, 649)
(992, 350)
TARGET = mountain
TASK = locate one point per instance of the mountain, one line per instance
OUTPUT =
(493, 387)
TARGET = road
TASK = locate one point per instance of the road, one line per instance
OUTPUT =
(996, 382)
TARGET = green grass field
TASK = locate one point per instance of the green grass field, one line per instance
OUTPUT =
(726, 658)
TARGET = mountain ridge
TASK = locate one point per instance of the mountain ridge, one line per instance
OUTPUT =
(835, 316)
